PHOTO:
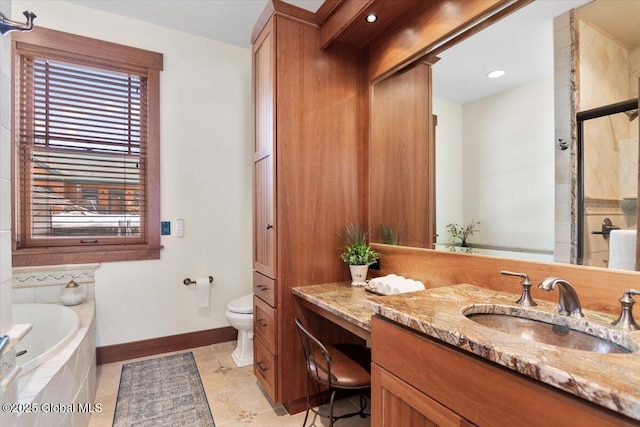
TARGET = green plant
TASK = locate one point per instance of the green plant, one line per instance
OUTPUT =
(389, 235)
(463, 233)
(356, 251)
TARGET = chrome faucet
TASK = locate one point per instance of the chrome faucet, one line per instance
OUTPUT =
(4, 340)
(568, 302)
(625, 321)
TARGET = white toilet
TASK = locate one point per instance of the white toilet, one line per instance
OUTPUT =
(240, 315)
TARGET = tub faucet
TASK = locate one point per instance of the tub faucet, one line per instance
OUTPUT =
(568, 302)
(4, 340)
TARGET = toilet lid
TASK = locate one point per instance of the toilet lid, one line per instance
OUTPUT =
(242, 305)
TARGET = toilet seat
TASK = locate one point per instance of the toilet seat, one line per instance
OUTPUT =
(242, 305)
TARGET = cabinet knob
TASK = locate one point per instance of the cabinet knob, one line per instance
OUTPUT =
(269, 226)
(261, 288)
(262, 323)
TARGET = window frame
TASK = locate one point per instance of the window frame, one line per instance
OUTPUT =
(95, 53)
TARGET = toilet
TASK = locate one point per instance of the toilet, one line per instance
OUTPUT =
(240, 315)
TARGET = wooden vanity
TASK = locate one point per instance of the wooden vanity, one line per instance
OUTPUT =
(445, 386)
(432, 365)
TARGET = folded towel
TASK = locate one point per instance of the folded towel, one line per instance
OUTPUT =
(408, 285)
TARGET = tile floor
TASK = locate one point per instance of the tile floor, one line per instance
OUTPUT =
(233, 394)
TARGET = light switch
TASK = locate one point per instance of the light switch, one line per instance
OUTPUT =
(165, 228)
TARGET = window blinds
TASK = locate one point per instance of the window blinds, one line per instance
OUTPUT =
(82, 146)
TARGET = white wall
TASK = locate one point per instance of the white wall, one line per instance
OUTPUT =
(508, 149)
(206, 123)
(449, 190)
(495, 164)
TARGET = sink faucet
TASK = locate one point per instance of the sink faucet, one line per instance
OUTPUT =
(568, 302)
(525, 299)
(625, 321)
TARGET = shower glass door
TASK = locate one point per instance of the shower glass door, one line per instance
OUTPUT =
(608, 178)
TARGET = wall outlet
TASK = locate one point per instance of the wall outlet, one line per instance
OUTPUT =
(165, 228)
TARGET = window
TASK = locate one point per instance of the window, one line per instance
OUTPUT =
(87, 150)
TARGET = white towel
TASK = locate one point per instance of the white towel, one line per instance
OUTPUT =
(391, 282)
(407, 285)
(622, 249)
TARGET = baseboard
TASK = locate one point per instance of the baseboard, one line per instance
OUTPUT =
(131, 350)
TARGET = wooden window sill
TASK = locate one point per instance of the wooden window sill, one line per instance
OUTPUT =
(70, 255)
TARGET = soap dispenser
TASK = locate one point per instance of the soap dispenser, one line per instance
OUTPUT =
(72, 294)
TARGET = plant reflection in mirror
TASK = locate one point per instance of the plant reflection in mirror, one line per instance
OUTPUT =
(389, 235)
(463, 232)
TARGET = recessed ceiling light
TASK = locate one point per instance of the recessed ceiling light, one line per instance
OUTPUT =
(496, 73)
(371, 18)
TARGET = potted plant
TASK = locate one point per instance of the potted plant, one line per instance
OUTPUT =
(357, 253)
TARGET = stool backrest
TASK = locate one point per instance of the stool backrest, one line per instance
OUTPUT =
(316, 356)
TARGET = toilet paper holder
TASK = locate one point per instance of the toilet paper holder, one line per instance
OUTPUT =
(188, 281)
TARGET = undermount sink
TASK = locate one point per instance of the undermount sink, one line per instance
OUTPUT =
(551, 329)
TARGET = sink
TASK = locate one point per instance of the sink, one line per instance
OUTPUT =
(552, 329)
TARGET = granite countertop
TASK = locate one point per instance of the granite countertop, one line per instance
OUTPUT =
(341, 299)
(608, 380)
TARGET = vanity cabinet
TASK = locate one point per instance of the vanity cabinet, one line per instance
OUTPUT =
(306, 182)
(404, 405)
(451, 387)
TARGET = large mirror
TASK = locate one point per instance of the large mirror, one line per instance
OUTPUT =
(499, 164)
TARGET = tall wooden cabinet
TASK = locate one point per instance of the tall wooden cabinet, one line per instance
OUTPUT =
(308, 182)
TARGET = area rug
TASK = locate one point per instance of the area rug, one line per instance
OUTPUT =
(166, 391)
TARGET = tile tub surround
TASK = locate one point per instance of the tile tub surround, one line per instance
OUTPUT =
(44, 284)
(608, 380)
(69, 377)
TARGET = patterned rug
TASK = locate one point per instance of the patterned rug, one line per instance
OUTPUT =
(166, 391)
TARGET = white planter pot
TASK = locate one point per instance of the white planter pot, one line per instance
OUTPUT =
(359, 274)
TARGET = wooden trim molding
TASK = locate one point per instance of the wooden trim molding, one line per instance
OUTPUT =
(131, 350)
(104, 51)
(279, 7)
(421, 29)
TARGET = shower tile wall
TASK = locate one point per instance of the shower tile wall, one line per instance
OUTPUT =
(604, 68)
(634, 71)
(607, 71)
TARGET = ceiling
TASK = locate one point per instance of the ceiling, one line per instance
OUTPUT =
(522, 43)
(228, 21)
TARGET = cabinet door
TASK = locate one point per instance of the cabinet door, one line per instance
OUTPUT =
(264, 236)
(396, 403)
